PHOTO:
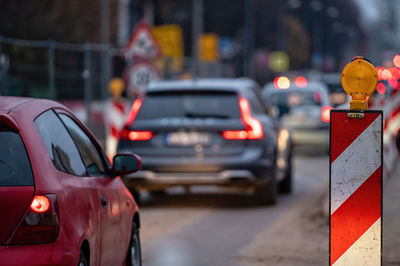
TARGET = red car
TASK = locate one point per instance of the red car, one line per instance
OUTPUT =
(61, 200)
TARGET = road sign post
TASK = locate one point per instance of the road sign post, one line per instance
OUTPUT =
(142, 44)
(356, 173)
(208, 47)
(138, 76)
(139, 52)
(169, 38)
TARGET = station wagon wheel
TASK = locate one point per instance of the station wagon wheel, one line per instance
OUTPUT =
(134, 256)
(266, 194)
(286, 185)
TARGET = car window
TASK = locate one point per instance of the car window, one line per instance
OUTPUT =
(15, 167)
(296, 98)
(60, 147)
(255, 105)
(186, 104)
(87, 149)
(264, 104)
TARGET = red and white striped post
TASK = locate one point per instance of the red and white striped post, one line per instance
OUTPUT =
(356, 188)
(115, 116)
(356, 183)
(115, 112)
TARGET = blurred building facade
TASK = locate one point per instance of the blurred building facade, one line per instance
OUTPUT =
(382, 22)
(314, 34)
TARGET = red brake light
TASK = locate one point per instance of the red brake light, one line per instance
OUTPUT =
(326, 113)
(40, 224)
(381, 88)
(239, 134)
(133, 112)
(254, 127)
(140, 135)
(40, 204)
(396, 61)
(317, 97)
(301, 82)
(134, 135)
(282, 83)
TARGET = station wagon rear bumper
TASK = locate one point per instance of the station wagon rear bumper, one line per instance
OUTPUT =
(149, 180)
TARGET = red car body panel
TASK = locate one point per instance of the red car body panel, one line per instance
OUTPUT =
(82, 216)
(13, 203)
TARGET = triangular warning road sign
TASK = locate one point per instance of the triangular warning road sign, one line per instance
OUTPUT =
(142, 43)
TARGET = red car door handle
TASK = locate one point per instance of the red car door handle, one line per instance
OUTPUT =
(103, 201)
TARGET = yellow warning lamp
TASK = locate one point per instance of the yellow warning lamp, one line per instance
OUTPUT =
(359, 80)
(116, 87)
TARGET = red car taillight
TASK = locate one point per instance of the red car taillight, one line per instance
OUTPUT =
(326, 113)
(40, 224)
(254, 128)
(40, 204)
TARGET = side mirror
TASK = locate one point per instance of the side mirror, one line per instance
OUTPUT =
(124, 164)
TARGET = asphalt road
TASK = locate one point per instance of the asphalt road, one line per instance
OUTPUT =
(209, 227)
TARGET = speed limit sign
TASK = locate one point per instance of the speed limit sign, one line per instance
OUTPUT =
(139, 76)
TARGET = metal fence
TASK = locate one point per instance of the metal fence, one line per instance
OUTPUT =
(55, 70)
(64, 71)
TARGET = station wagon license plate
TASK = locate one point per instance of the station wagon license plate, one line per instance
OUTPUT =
(188, 138)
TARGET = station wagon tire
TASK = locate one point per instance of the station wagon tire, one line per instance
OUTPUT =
(266, 194)
(286, 185)
(82, 259)
(134, 255)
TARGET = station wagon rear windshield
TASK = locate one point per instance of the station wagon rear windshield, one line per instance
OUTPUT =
(189, 104)
(294, 99)
(15, 167)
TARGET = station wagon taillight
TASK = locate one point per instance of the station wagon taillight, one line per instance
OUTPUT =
(134, 135)
(253, 129)
(40, 223)
(139, 135)
(133, 112)
(127, 134)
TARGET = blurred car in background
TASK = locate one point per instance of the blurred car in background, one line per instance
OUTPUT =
(304, 108)
(337, 96)
(207, 132)
(62, 202)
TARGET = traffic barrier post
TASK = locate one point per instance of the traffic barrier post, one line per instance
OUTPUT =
(356, 173)
(116, 110)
